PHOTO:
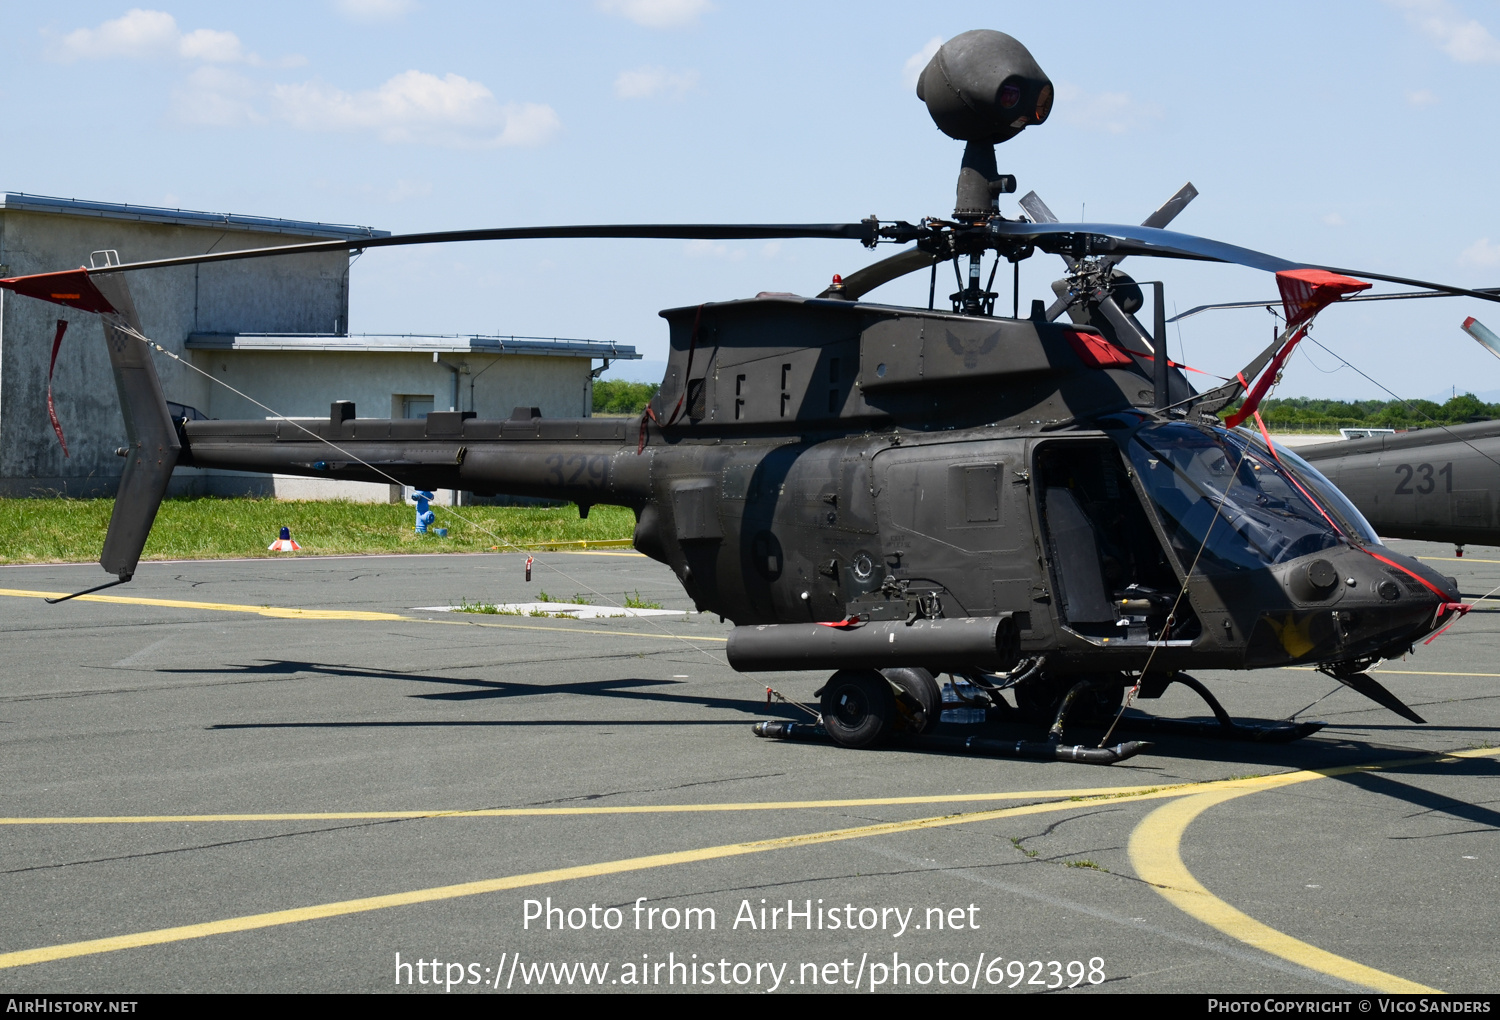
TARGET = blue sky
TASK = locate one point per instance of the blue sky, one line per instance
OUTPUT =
(1352, 133)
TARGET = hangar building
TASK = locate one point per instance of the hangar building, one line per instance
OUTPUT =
(274, 328)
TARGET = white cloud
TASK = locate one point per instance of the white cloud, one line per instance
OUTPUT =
(657, 13)
(1480, 255)
(216, 97)
(211, 47)
(143, 34)
(705, 249)
(1114, 113)
(1421, 97)
(770, 249)
(418, 107)
(648, 82)
(1462, 38)
(917, 62)
(373, 10)
(138, 34)
(1333, 219)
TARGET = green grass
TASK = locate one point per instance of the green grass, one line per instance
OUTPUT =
(636, 602)
(1085, 864)
(72, 530)
(488, 608)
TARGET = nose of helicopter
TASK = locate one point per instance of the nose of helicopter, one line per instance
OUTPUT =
(1353, 603)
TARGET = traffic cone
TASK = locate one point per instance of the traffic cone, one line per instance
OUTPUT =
(284, 543)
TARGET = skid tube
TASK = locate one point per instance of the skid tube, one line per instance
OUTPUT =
(1037, 749)
(1223, 728)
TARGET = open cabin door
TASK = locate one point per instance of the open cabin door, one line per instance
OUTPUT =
(1112, 577)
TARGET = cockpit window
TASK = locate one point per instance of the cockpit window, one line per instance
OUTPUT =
(1217, 491)
(1325, 492)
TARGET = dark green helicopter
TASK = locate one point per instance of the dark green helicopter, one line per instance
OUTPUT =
(889, 493)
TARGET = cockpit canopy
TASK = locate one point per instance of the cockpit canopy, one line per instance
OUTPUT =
(1224, 493)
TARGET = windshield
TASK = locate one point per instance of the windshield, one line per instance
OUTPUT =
(1216, 491)
(1325, 492)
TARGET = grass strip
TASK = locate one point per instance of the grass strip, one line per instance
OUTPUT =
(72, 530)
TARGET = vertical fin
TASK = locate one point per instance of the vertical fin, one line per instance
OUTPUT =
(153, 445)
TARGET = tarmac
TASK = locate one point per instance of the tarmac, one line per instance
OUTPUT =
(276, 775)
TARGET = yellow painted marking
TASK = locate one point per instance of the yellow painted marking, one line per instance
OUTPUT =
(1453, 559)
(1217, 792)
(629, 809)
(1155, 853)
(274, 918)
(334, 614)
(1394, 672)
(221, 607)
(662, 635)
(1428, 672)
(571, 552)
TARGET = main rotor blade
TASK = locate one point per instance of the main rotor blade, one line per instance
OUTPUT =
(1164, 214)
(1037, 209)
(1089, 239)
(669, 231)
(860, 282)
(1273, 302)
(1169, 209)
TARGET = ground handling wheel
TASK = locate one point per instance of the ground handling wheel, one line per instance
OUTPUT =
(919, 701)
(858, 707)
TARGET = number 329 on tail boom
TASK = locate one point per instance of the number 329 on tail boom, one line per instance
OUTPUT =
(892, 493)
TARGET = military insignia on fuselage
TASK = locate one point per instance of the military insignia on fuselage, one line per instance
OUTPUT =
(970, 348)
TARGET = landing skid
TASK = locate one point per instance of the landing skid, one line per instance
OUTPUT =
(1223, 728)
(1054, 749)
(1044, 750)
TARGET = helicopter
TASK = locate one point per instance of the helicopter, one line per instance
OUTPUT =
(892, 493)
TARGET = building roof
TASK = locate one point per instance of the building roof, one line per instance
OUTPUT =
(181, 217)
(407, 343)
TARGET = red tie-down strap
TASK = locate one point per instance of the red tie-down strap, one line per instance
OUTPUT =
(1252, 402)
(1304, 293)
(1448, 607)
(846, 623)
(1444, 606)
(1170, 363)
(62, 327)
(650, 414)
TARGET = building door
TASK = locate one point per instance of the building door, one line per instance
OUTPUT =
(415, 405)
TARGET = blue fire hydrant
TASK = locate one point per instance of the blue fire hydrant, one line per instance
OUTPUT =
(425, 516)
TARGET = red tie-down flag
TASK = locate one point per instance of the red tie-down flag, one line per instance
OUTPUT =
(1304, 293)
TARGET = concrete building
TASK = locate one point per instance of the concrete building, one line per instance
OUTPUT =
(274, 328)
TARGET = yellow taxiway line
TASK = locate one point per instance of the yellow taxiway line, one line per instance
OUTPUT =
(1154, 850)
(1086, 793)
(284, 613)
(250, 922)
(1156, 854)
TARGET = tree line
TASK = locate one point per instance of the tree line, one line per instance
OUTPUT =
(615, 396)
(1313, 412)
